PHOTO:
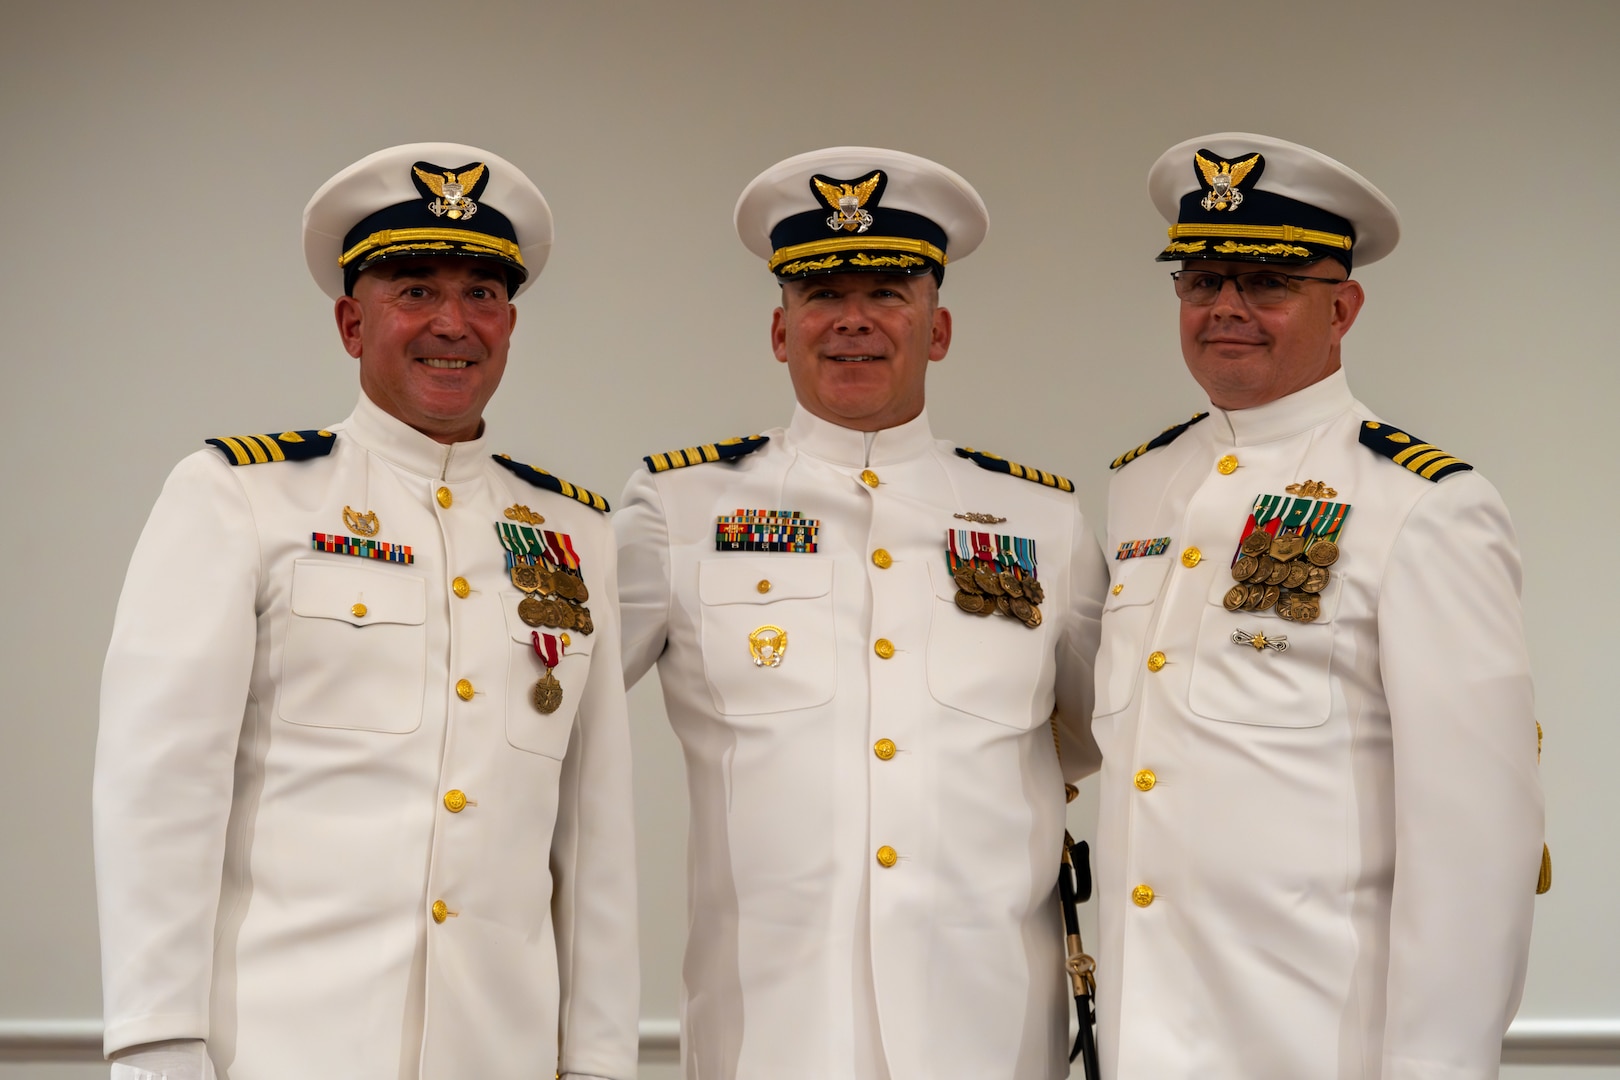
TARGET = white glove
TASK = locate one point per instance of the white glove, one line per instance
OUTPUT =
(176, 1059)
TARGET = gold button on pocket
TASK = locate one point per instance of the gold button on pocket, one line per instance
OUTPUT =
(358, 611)
(455, 801)
(882, 559)
(869, 478)
(1145, 779)
(887, 856)
(883, 647)
(1117, 589)
(444, 497)
(1142, 895)
(460, 587)
(1191, 557)
(884, 749)
(1227, 465)
(464, 690)
(764, 585)
(1156, 661)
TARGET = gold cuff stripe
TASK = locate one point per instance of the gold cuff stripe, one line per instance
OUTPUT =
(1262, 232)
(405, 237)
(875, 243)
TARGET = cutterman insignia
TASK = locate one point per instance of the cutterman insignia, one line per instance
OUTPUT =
(542, 479)
(288, 446)
(1164, 438)
(990, 461)
(1420, 457)
(726, 450)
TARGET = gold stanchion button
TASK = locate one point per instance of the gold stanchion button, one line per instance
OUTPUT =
(887, 856)
(882, 559)
(444, 497)
(460, 587)
(1145, 780)
(884, 749)
(1142, 895)
(1191, 557)
(1227, 465)
(1156, 661)
(455, 801)
(869, 478)
(883, 647)
(464, 690)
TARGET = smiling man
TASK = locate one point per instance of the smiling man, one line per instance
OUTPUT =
(1321, 820)
(362, 798)
(862, 634)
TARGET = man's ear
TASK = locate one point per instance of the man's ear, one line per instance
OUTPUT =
(779, 334)
(939, 340)
(347, 311)
(1347, 301)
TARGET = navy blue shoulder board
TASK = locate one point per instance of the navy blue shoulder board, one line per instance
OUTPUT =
(724, 450)
(1163, 438)
(542, 479)
(288, 446)
(1420, 457)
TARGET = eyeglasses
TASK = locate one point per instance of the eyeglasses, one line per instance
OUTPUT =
(1261, 288)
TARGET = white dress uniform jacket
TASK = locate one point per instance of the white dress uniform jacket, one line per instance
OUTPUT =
(1341, 839)
(806, 957)
(281, 734)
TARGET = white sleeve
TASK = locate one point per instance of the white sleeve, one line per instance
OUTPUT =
(644, 587)
(1468, 803)
(177, 1059)
(1077, 653)
(173, 693)
(593, 861)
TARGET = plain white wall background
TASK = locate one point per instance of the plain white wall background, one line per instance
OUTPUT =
(158, 156)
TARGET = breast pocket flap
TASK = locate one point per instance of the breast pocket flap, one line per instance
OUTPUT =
(763, 581)
(358, 595)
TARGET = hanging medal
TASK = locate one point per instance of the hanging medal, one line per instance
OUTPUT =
(547, 693)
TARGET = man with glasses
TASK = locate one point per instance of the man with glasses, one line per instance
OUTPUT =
(1321, 819)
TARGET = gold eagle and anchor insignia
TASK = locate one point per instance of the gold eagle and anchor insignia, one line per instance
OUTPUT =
(365, 524)
(1223, 178)
(452, 191)
(847, 200)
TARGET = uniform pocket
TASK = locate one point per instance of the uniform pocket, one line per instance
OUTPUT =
(1134, 586)
(527, 728)
(356, 649)
(990, 666)
(1239, 684)
(741, 596)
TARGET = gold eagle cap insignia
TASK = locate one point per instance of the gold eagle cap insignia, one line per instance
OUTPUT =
(848, 201)
(1223, 178)
(450, 190)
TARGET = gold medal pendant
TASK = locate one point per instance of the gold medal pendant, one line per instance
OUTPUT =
(547, 694)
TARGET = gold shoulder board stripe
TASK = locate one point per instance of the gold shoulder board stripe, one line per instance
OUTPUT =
(1164, 438)
(542, 479)
(994, 463)
(288, 446)
(1420, 457)
(724, 450)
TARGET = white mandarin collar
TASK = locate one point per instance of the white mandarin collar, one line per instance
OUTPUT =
(846, 446)
(396, 441)
(1298, 412)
